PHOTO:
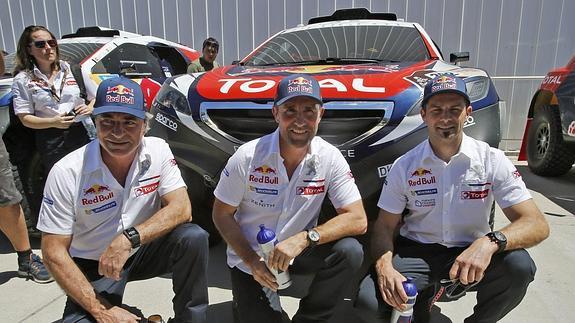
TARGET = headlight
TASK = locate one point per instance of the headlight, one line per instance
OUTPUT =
(477, 89)
(170, 98)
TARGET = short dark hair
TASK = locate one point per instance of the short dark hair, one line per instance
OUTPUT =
(211, 41)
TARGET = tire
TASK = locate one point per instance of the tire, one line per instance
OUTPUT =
(202, 203)
(547, 153)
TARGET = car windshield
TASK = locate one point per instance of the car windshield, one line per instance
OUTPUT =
(73, 53)
(342, 45)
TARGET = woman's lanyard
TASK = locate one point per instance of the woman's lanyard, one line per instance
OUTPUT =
(56, 96)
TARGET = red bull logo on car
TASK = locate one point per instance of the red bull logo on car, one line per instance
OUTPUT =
(120, 94)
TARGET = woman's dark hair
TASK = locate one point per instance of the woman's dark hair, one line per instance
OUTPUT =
(25, 61)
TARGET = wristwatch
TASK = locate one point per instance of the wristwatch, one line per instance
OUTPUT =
(133, 236)
(312, 237)
(499, 238)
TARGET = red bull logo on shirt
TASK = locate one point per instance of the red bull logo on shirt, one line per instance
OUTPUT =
(99, 193)
(120, 94)
(264, 169)
(96, 189)
(421, 172)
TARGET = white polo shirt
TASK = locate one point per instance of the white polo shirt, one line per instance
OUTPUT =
(255, 181)
(84, 200)
(450, 203)
(33, 93)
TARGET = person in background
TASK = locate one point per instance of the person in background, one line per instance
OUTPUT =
(207, 61)
(46, 96)
(117, 210)
(13, 225)
(447, 186)
(281, 180)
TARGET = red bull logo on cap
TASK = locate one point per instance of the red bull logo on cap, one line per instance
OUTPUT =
(300, 81)
(445, 79)
(443, 82)
(120, 94)
(421, 172)
(300, 84)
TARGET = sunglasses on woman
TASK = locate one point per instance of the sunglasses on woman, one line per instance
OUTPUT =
(42, 43)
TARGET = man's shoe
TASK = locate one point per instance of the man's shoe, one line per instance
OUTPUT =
(35, 270)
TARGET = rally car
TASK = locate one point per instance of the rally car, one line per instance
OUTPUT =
(94, 54)
(371, 69)
(549, 138)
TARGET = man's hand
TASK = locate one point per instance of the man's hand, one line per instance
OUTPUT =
(470, 265)
(113, 259)
(390, 285)
(287, 250)
(116, 314)
(262, 274)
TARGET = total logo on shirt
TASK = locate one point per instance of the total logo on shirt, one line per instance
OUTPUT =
(474, 195)
(96, 193)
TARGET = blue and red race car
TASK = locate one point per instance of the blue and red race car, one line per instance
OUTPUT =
(549, 139)
(371, 69)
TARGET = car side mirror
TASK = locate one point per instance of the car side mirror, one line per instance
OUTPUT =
(235, 62)
(458, 57)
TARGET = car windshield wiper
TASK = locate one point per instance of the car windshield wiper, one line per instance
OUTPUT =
(330, 60)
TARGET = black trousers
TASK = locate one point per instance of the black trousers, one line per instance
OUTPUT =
(54, 143)
(334, 265)
(501, 289)
(183, 252)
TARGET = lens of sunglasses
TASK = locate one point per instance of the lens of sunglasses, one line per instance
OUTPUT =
(42, 43)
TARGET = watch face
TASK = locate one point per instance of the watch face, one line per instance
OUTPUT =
(499, 236)
(313, 235)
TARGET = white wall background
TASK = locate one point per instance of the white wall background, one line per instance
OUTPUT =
(508, 38)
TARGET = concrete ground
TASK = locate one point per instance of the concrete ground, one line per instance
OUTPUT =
(547, 299)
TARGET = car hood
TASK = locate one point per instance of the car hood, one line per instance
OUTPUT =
(338, 82)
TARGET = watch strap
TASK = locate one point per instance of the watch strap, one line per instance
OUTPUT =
(133, 236)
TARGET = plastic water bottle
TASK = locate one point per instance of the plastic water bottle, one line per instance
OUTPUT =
(90, 127)
(406, 315)
(267, 241)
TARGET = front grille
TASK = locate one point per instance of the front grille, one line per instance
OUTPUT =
(342, 122)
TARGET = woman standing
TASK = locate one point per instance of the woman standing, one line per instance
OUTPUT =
(46, 96)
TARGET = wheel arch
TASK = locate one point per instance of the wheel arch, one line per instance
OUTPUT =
(541, 98)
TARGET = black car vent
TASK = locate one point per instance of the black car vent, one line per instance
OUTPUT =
(338, 126)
